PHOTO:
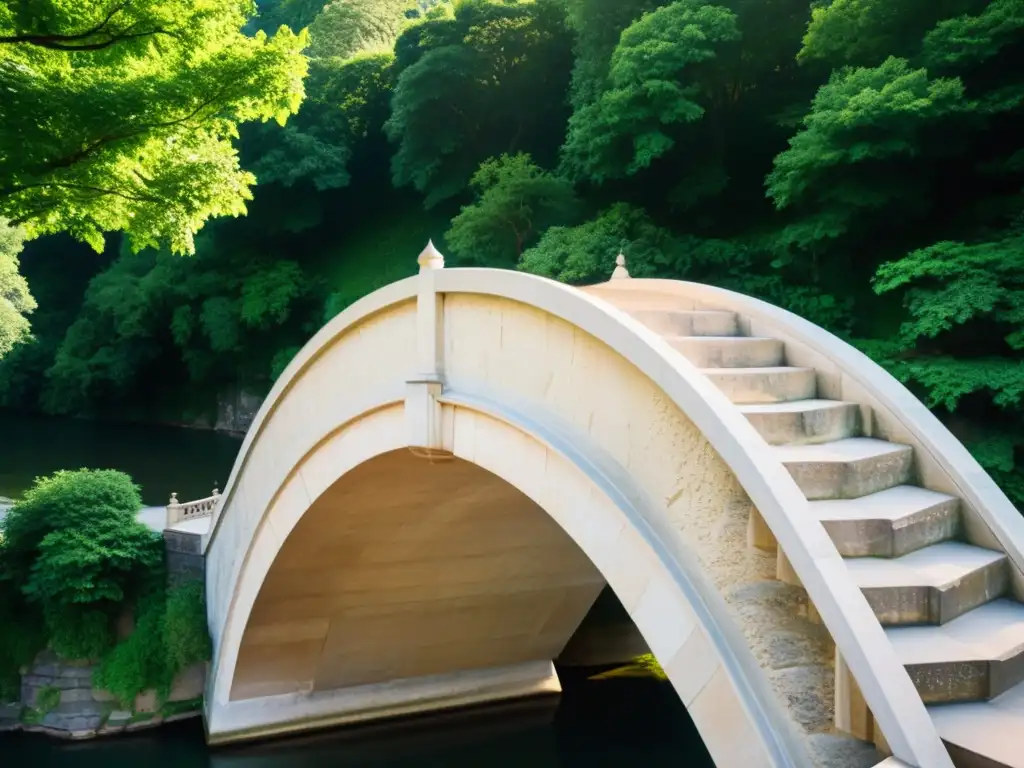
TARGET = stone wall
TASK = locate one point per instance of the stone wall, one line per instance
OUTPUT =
(58, 698)
(184, 556)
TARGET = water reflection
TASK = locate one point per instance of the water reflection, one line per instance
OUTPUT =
(593, 725)
(160, 459)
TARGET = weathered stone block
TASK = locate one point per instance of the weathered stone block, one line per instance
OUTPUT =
(183, 541)
(69, 683)
(146, 702)
(76, 695)
(183, 567)
(77, 672)
(189, 683)
(87, 707)
(119, 717)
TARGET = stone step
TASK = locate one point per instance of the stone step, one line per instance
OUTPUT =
(933, 585)
(729, 351)
(804, 421)
(984, 734)
(889, 523)
(847, 469)
(746, 386)
(694, 322)
(975, 657)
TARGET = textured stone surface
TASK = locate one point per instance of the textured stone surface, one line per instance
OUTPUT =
(764, 385)
(189, 683)
(182, 567)
(976, 656)
(10, 717)
(494, 346)
(687, 323)
(931, 585)
(889, 523)
(84, 712)
(183, 542)
(809, 692)
(804, 421)
(832, 750)
(847, 469)
(728, 351)
(496, 349)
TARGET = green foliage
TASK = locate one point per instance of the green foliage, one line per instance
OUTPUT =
(461, 87)
(641, 666)
(597, 25)
(971, 298)
(22, 634)
(516, 200)
(862, 117)
(210, 310)
(79, 632)
(122, 119)
(173, 708)
(952, 283)
(346, 27)
(169, 635)
(347, 101)
(626, 128)
(867, 31)
(47, 699)
(74, 552)
(973, 38)
(15, 299)
(885, 134)
(67, 500)
(586, 253)
(185, 631)
(91, 563)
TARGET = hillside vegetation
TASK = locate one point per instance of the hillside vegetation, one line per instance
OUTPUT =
(860, 162)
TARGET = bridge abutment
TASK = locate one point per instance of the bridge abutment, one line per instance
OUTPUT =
(305, 710)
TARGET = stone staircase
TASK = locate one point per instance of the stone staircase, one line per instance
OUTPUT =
(945, 603)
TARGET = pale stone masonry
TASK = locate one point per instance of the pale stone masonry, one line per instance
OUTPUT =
(443, 479)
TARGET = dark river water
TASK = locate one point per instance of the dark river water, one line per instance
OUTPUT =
(160, 459)
(594, 723)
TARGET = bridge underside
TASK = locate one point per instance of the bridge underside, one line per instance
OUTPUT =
(413, 569)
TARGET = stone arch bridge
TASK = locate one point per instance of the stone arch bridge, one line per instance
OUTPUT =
(447, 475)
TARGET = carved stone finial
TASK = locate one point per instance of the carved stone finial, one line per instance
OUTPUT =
(620, 271)
(174, 500)
(430, 258)
(216, 489)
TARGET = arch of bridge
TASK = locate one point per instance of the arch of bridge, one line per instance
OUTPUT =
(578, 408)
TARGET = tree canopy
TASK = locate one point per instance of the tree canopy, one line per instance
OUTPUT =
(120, 116)
(859, 162)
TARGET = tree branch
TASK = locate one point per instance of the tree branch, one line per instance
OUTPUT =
(99, 191)
(80, 41)
(68, 160)
(57, 42)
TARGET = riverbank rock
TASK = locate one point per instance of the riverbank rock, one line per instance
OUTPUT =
(58, 699)
(10, 717)
(57, 695)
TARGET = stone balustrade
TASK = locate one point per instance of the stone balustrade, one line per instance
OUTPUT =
(178, 512)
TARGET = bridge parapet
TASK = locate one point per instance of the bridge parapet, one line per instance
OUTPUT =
(178, 512)
(187, 523)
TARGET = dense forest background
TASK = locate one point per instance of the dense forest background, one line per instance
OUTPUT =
(860, 162)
